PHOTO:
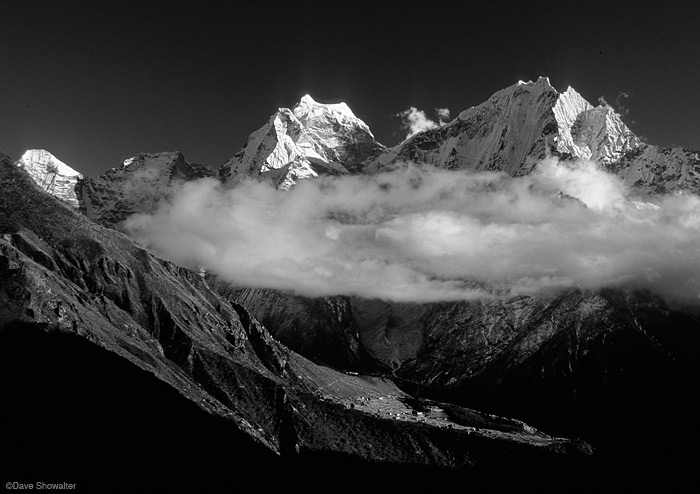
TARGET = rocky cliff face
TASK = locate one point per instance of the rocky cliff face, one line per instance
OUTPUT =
(120, 316)
(51, 174)
(136, 186)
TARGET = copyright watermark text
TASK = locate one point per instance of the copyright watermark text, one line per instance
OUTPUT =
(39, 486)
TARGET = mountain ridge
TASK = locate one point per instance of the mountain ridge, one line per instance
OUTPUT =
(512, 131)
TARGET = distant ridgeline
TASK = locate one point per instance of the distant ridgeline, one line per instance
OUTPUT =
(512, 131)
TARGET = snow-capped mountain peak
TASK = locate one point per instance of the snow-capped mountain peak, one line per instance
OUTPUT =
(514, 130)
(51, 174)
(308, 111)
(517, 127)
(590, 132)
(300, 143)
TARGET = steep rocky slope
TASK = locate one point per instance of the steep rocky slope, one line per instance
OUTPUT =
(98, 334)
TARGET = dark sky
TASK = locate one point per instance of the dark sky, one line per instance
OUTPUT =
(98, 82)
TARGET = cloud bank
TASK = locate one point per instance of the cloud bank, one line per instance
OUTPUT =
(422, 234)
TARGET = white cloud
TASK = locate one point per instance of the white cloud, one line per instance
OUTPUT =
(443, 115)
(423, 234)
(415, 120)
(620, 106)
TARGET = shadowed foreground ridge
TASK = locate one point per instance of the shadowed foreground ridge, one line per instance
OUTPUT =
(126, 372)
